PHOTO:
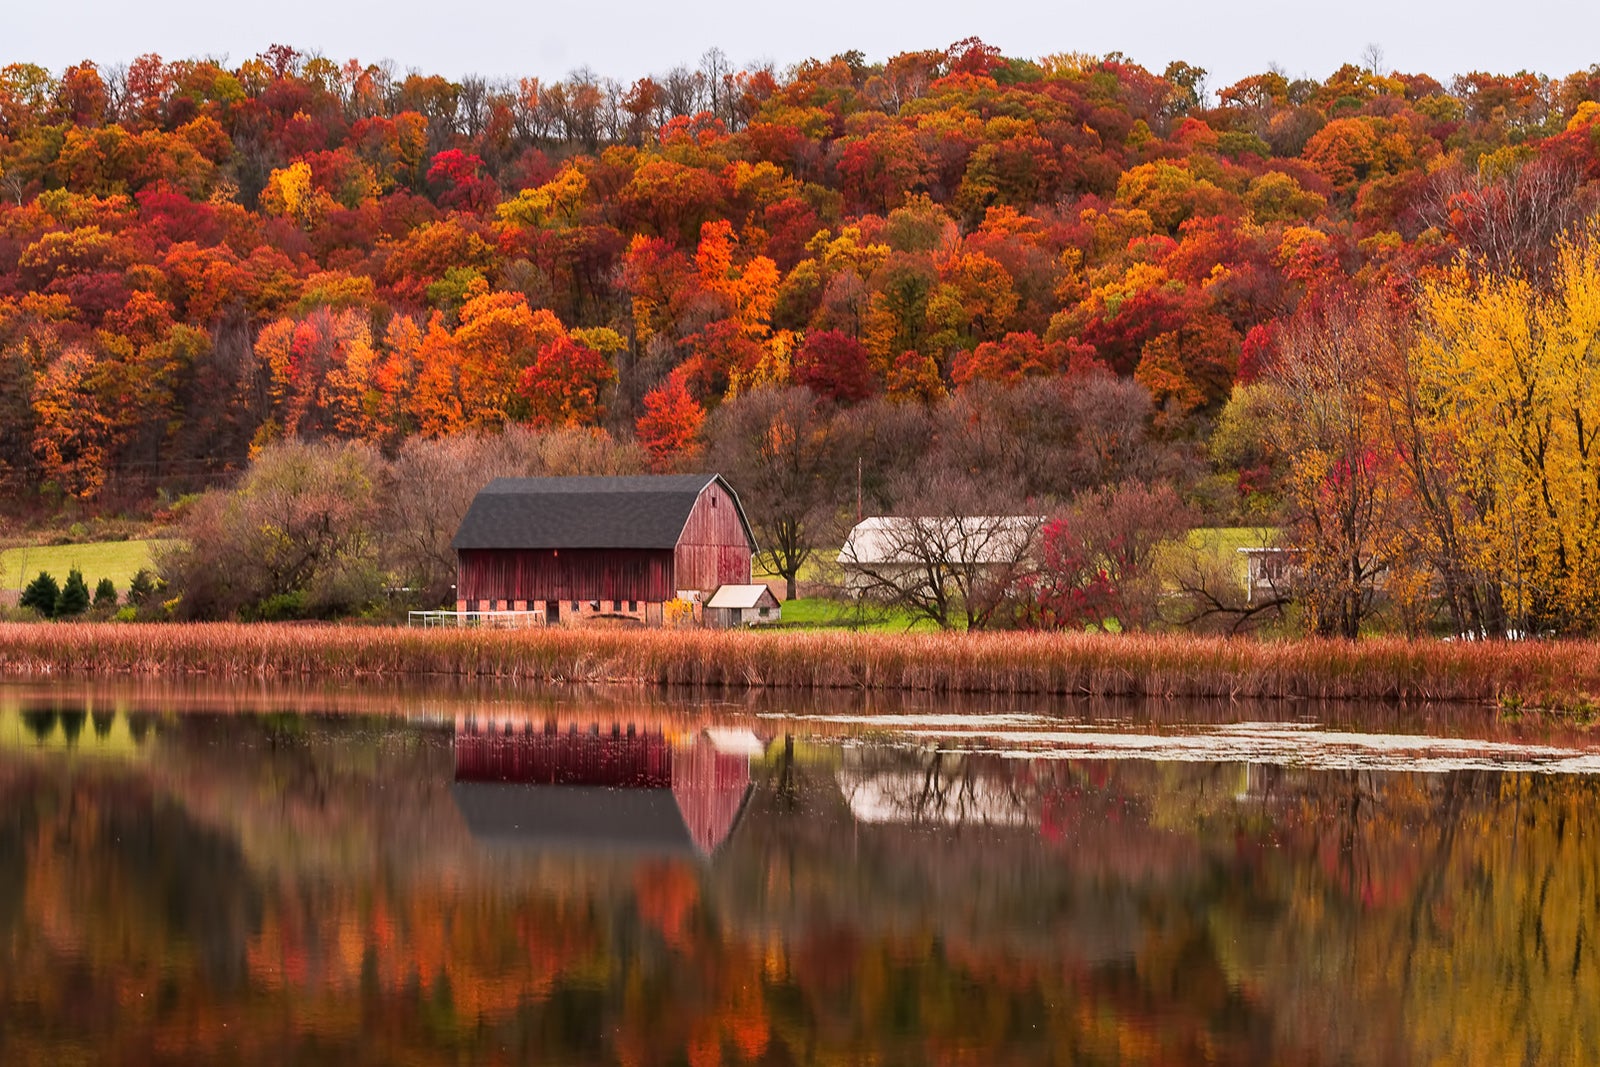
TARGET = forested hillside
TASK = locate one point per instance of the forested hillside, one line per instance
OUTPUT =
(1358, 309)
(195, 259)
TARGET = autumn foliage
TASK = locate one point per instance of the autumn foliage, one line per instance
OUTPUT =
(670, 425)
(198, 259)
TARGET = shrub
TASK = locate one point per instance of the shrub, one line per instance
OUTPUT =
(1098, 559)
(74, 598)
(300, 522)
(41, 595)
(279, 607)
(677, 612)
(105, 594)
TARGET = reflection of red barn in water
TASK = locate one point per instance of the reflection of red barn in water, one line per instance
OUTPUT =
(612, 787)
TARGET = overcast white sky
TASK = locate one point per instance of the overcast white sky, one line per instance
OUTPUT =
(627, 38)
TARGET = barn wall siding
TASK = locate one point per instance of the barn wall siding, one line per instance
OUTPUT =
(713, 550)
(565, 574)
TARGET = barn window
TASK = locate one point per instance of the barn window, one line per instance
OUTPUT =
(576, 606)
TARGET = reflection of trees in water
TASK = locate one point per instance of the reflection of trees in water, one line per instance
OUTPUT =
(162, 863)
(1340, 904)
(307, 881)
(981, 848)
(19, 820)
(139, 724)
(72, 725)
(440, 700)
(40, 722)
(53, 721)
(1464, 919)
(984, 917)
(105, 872)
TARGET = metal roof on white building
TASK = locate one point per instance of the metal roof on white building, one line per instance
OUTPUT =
(960, 539)
(739, 596)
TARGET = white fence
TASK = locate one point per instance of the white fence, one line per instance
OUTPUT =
(499, 620)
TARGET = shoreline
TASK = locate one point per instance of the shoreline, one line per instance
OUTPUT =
(1559, 675)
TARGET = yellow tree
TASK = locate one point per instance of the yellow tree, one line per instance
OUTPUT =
(1509, 375)
(558, 202)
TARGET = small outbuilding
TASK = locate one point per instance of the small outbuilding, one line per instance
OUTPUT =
(742, 605)
(577, 549)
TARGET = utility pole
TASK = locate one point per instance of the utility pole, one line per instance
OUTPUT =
(858, 489)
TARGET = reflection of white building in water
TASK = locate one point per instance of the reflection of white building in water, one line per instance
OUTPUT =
(944, 793)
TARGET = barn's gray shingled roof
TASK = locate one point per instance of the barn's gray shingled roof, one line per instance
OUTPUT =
(644, 511)
(583, 818)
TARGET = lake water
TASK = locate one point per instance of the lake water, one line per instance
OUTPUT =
(261, 875)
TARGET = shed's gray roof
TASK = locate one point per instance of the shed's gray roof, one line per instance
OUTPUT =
(644, 511)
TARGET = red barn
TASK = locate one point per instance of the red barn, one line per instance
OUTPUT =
(577, 548)
(598, 789)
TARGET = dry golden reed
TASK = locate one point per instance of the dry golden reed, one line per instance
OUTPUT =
(1533, 673)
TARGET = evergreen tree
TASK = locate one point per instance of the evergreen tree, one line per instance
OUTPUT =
(142, 588)
(41, 595)
(74, 598)
(105, 594)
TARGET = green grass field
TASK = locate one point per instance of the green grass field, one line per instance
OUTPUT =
(1224, 542)
(117, 560)
(822, 613)
(815, 569)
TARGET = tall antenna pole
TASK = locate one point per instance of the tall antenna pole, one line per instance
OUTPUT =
(858, 488)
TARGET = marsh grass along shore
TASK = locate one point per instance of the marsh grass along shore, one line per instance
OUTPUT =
(1563, 675)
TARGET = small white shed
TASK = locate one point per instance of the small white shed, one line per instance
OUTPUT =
(741, 605)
